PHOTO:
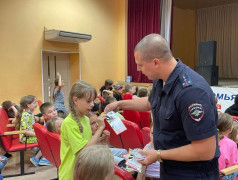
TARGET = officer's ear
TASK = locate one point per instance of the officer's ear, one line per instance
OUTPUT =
(156, 62)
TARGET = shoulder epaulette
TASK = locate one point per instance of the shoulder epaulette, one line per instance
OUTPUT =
(185, 80)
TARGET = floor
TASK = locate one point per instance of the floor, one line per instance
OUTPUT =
(41, 172)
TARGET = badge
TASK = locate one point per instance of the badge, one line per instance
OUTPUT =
(196, 111)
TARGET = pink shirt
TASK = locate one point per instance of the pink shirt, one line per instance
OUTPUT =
(228, 149)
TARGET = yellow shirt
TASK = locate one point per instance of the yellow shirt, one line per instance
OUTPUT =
(71, 142)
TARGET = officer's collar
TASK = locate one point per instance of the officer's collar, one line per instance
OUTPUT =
(172, 77)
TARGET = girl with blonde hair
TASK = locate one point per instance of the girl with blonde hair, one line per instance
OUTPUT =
(94, 162)
(75, 130)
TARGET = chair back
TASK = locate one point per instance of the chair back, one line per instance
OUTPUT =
(145, 135)
(145, 118)
(114, 138)
(122, 173)
(41, 133)
(132, 116)
(235, 118)
(132, 137)
(54, 142)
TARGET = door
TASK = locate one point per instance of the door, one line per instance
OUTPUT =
(53, 63)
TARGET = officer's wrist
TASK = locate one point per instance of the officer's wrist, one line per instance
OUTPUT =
(159, 156)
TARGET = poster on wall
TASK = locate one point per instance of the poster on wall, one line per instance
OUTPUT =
(225, 95)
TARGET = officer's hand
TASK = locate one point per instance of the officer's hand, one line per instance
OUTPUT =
(150, 157)
(111, 107)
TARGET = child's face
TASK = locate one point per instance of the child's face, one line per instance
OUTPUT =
(119, 91)
(131, 91)
(108, 86)
(93, 123)
(50, 113)
(32, 105)
(58, 124)
(83, 106)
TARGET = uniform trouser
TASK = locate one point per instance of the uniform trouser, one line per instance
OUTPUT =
(199, 171)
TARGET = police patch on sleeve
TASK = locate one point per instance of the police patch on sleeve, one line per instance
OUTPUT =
(196, 111)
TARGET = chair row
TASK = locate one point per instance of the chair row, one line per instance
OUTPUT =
(140, 118)
(9, 140)
(132, 138)
(50, 147)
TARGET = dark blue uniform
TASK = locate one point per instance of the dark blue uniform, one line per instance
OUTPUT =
(184, 110)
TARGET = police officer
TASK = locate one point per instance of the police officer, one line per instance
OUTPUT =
(184, 112)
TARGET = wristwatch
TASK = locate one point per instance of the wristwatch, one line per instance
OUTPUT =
(158, 156)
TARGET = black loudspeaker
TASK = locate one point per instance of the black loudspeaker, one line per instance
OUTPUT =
(210, 73)
(207, 53)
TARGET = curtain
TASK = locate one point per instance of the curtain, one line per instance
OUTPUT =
(166, 12)
(221, 24)
(143, 19)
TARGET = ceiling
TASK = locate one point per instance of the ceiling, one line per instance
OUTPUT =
(198, 4)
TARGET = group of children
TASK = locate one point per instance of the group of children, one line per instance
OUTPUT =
(82, 135)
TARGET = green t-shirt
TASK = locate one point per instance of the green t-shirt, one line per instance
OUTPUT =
(71, 142)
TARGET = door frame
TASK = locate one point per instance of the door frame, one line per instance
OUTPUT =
(57, 52)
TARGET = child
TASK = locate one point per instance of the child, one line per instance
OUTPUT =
(3, 162)
(142, 92)
(48, 111)
(117, 152)
(151, 171)
(58, 96)
(227, 147)
(54, 125)
(94, 162)
(75, 130)
(129, 92)
(234, 134)
(24, 121)
(118, 92)
(10, 108)
(107, 86)
(111, 100)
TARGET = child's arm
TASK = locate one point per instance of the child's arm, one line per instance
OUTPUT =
(140, 176)
(99, 131)
(29, 133)
(109, 92)
(14, 110)
(59, 82)
(105, 137)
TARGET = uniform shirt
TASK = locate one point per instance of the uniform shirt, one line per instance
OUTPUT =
(72, 141)
(228, 150)
(184, 110)
(27, 121)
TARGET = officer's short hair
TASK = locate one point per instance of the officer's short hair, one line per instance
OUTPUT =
(154, 46)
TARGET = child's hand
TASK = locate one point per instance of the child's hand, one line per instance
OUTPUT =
(105, 137)
(100, 121)
(1, 159)
(58, 74)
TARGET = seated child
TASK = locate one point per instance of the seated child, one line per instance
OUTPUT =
(129, 92)
(3, 162)
(24, 121)
(107, 86)
(10, 108)
(118, 92)
(117, 152)
(142, 92)
(151, 171)
(94, 162)
(48, 111)
(54, 125)
(108, 101)
(228, 148)
(234, 134)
